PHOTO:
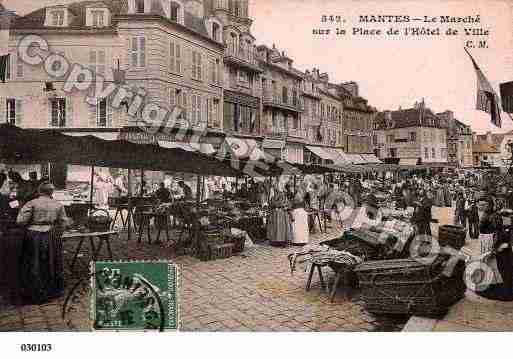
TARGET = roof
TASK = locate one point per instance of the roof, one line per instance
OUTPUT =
(36, 19)
(484, 148)
(409, 118)
(497, 138)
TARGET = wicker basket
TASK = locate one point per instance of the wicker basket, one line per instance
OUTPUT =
(408, 287)
(452, 236)
(99, 221)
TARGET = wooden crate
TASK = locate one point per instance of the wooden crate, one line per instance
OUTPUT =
(452, 236)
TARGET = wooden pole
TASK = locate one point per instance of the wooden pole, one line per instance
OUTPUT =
(129, 216)
(91, 190)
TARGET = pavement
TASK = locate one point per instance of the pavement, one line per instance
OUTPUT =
(251, 292)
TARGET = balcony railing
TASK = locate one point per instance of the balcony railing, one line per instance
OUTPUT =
(275, 100)
(243, 57)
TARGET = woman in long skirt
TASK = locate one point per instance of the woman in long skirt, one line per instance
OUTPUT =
(279, 231)
(42, 269)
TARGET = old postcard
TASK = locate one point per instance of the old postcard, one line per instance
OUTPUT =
(249, 166)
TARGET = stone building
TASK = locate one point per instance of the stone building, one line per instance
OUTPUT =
(410, 136)
(459, 141)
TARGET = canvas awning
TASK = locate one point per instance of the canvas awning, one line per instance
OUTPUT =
(408, 161)
(107, 136)
(273, 144)
(36, 146)
(370, 158)
(319, 152)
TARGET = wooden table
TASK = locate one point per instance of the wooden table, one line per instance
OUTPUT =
(102, 237)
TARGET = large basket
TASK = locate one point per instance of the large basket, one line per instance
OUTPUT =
(408, 287)
(99, 220)
(452, 236)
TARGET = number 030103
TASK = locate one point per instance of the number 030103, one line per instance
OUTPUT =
(36, 347)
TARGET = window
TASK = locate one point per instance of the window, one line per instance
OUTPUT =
(216, 32)
(17, 66)
(101, 113)
(97, 61)
(14, 111)
(285, 95)
(139, 6)
(196, 109)
(175, 8)
(57, 18)
(196, 65)
(98, 18)
(58, 112)
(426, 152)
(213, 113)
(214, 71)
(243, 77)
(433, 153)
(181, 100)
(175, 57)
(138, 52)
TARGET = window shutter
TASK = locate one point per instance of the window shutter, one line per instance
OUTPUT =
(49, 113)
(19, 112)
(171, 98)
(172, 59)
(92, 116)
(199, 109)
(92, 60)
(200, 66)
(69, 112)
(133, 52)
(142, 50)
(193, 64)
(101, 62)
(109, 114)
(185, 105)
(19, 67)
(193, 108)
(207, 111)
(178, 54)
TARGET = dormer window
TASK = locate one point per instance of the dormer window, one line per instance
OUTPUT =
(57, 18)
(139, 6)
(98, 17)
(176, 11)
(216, 32)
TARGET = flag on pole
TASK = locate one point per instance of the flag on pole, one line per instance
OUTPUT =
(506, 90)
(487, 99)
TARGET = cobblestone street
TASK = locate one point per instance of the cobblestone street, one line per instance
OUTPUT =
(254, 291)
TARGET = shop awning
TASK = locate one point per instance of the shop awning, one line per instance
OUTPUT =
(370, 158)
(337, 155)
(319, 152)
(408, 161)
(37, 146)
(172, 145)
(273, 144)
(107, 136)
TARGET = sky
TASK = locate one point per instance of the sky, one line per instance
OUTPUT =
(391, 72)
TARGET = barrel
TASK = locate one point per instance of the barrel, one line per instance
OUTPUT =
(452, 236)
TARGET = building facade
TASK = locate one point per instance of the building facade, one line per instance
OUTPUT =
(459, 141)
(358, 120)
(198, 55)
(411, 136)
(492, 149)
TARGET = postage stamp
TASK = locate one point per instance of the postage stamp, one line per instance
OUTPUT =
(135, 296)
